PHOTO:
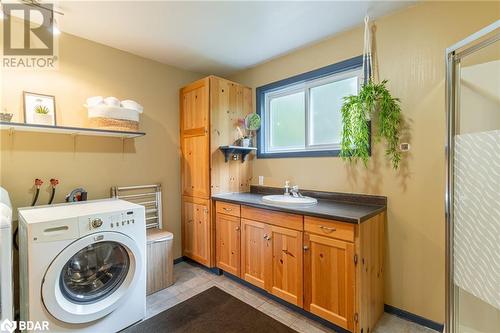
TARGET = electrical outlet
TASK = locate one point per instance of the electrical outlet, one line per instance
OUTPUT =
(261, 180)
(404, 146)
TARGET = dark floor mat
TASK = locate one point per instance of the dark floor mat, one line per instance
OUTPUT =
(210, 311)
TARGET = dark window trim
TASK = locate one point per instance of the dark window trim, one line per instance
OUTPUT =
(342, 66)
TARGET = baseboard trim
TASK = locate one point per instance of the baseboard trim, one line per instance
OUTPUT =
(413, 318)
(179, 260)
(215, 270)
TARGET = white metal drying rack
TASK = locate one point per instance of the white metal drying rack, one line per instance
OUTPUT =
(148, 196)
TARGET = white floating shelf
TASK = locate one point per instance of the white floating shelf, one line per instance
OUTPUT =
(21, 127)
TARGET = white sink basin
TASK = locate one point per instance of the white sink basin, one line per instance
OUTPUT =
(289, 200)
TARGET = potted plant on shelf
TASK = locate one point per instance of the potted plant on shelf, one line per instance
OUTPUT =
(251, 123)
(373, 102)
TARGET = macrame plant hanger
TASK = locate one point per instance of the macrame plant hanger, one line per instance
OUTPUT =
(367, 52)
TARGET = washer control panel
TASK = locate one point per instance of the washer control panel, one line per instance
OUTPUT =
(119, 221)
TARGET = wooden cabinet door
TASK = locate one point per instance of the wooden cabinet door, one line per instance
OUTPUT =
(253, 251)
(196, 230)
(195, 166)
(284, 264)
(227, 237)
(188, 229)
(194, 123)
(329, 279)
(194, 104)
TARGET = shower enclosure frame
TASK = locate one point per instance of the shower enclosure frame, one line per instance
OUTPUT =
(453, 56)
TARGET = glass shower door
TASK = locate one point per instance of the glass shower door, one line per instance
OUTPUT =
(473, 194)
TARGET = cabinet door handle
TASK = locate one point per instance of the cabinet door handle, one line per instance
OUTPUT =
(190, 221)
(327, 229)
(227, 209)
(266, 237)
(306, 248)
(237, 228)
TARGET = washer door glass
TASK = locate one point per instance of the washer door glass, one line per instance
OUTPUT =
(94, 272)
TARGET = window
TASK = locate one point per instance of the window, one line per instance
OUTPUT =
(301, 115)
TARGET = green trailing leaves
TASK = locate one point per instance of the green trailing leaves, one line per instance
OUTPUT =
(375, 102)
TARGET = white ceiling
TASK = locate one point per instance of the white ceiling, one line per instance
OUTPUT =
(214, 37)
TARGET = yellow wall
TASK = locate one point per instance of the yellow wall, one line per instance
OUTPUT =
(410, 46)
(96, 163)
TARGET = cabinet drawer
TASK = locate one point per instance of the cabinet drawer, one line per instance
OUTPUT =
(227, 208)
(285, 220)
(329, 228)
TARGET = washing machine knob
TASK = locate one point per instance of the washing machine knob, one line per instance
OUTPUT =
(96, 223)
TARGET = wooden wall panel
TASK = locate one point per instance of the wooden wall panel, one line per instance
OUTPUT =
(229, 102)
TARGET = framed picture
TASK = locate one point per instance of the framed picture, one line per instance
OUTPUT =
(39, 109)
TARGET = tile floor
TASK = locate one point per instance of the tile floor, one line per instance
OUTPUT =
(192, 279)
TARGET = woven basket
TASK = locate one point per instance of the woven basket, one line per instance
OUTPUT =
(114, 124)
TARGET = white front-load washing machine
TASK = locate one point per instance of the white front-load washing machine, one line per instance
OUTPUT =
(82, 265)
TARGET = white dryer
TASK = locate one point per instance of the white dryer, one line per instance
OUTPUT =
(82, 265)
(6, 303)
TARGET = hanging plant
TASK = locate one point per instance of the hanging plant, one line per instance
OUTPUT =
(373, 102)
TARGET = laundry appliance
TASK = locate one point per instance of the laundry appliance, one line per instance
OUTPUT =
(6, 303)
(82, 265)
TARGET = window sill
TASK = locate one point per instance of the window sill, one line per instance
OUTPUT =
(318, 153)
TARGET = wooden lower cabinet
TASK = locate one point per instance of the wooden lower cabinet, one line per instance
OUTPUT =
(196, 229)
(253, 252)
(329, 279)
(332, 269)
(284, 264)
(227, 238)
(271, 259)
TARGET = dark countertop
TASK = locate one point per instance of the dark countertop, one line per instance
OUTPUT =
(352, 212)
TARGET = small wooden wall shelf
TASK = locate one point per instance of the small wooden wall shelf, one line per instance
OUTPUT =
(236, 150)
(68, 130)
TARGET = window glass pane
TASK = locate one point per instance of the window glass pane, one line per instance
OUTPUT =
(325, 117)
(287, 121)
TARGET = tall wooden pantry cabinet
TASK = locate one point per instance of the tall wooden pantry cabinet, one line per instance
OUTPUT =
(210, 110)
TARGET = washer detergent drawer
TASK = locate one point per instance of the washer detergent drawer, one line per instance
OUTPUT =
(54, 230)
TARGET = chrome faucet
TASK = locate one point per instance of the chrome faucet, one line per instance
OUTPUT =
(287, 187)
(295, 192)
